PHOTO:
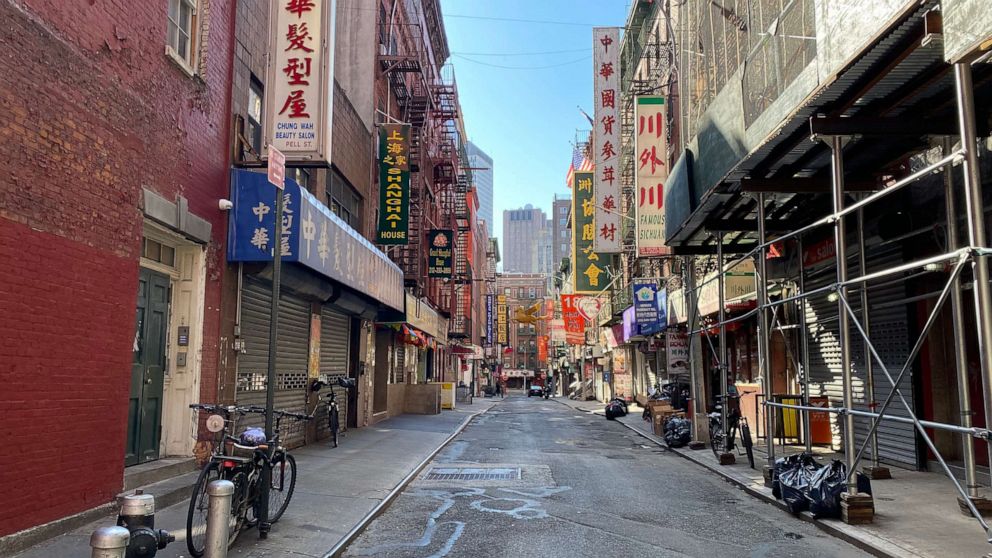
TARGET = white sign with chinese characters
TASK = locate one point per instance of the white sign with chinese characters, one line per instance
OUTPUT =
(606, 138)
(300, 80)
(651, 161)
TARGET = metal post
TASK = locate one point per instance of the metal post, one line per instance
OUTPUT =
(764, 337)
(700, 431)
(869, 365)
(218, 518)
(840, 244)
(976, 228)
(721, 357)
(109, 542)
(957, 319)
(804, 332)
(270, 385)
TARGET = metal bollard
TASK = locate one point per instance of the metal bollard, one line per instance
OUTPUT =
(218, 518)
(109, 542)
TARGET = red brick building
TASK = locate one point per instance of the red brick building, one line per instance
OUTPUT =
(114, 122)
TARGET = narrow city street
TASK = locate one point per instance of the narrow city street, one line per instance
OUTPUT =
(581, 483)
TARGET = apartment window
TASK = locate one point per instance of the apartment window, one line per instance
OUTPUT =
(182, 36)
(563, 211)
(563, 221)
(344, 201)
(254, 128)
(531, 293)
(563, 234)
(301, 176)
(564, 247)
(508, 291)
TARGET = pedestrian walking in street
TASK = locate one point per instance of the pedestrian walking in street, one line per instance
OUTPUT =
(499, 389)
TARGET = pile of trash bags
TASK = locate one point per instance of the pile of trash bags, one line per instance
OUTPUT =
(616, 408)
(803, 484)
(678, 432)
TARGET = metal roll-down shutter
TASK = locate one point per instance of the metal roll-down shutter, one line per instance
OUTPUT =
(335, 343)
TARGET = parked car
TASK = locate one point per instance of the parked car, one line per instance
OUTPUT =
(535, 390)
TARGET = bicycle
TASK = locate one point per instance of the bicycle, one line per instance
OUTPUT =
(721, 441)
(333, 419)
(241, 463)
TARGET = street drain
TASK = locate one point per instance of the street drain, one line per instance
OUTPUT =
(473, 474)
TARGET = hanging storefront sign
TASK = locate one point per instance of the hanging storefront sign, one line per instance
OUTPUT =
(421, 315)
(490, 315)
(501, 320)
(300, 81)
(439, 254)
(394, 184)
(738, 284)
(651, 160)
(606, 138)
(313, 358)
(310, 235)
(677, 351)
(629, 326)
(558, 330)
(649, 306)
(590, 307)
(591, 269)
(573, 321)
(542, 348)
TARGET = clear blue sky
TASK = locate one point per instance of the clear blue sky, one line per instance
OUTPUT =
(525, 119)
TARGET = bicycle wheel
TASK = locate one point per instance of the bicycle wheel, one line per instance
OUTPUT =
(196, 516)
(747, 443)
(716, 440)
(283, 483)
(335, 425)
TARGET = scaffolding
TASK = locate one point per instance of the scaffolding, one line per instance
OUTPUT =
(967, 253)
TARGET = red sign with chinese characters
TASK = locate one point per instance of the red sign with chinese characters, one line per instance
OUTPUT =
(575, 324)
(606, 139)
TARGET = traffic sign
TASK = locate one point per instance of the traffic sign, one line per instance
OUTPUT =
(277, 168)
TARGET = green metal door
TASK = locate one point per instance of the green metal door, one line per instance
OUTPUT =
(144, 426)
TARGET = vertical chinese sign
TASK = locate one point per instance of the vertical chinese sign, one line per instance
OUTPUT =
(542, 349)
(590, 276)
(606, 138)
(300, 78)
(394, 184)
(651, 160)
(501, 320)
(490, 314)
(439, 254)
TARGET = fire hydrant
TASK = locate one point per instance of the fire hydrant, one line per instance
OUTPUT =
(137, 515)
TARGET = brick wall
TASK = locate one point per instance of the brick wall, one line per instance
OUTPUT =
(352, 155)
(91, 111)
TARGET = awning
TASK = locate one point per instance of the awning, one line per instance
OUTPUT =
(472, 352)
(311, 235)
(421, 316)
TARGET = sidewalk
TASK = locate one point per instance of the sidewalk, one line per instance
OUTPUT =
(335, 489)
(916, 513)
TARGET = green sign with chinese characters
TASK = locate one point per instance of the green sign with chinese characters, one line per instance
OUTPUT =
(590, 275)
(394, 184)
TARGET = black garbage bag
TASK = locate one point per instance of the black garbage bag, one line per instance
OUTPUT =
(826, 486)
(615, 409)
(795, 486)
(788, 463)
(678, 432)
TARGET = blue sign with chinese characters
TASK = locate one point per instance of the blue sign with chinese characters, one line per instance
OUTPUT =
(649, 306)
(311, 235)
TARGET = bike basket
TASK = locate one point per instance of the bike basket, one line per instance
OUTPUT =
(292, 432)
(202, 427)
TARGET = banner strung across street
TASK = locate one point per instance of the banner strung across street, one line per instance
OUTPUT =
(651, 150)
(394, 184)
(606, 138)
(300, 81)
(590, 275)
(439, 258)
(501, 320)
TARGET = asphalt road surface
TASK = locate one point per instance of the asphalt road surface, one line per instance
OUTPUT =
(535, 478)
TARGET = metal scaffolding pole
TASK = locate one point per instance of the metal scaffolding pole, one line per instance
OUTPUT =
(804, 333)
(695, 351)
(764, 337)
(957, 319)
(976, 227)
(866, 319)
(840, 245)
(721, 357)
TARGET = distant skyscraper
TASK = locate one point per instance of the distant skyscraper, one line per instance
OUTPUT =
(478, 159)
(522, 238)
(561, 233)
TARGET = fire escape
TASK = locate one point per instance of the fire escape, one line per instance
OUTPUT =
(446, 169)
(404, 63)
(463, 280)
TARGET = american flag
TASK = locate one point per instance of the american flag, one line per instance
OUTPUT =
(579, 163)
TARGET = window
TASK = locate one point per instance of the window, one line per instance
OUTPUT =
(254, 128)
(563, 210)
(564, 247)
(563, 233)
(563, 221)
(182, 36)
(158, 252)
(344, 201)
(531, 293)
(300, 175)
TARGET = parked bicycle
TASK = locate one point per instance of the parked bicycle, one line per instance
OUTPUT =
(725, 441)
(333, 419)
(241, 459)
